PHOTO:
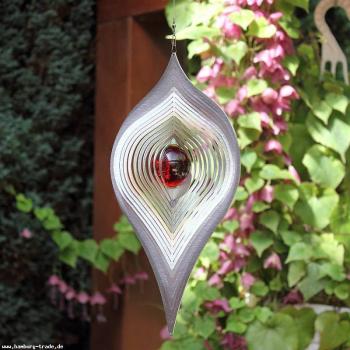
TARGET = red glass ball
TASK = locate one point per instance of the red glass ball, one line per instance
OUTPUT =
(173, 167)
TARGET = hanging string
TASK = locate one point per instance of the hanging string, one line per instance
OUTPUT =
(173, 40)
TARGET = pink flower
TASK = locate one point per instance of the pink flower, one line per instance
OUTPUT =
(62, 286)
(233, 108)
(204, 74)
(26, 233)
(70, 294)
(83, 297)
(293, 297)
(129, 280)
(246, 222)
(275, 17)
(215, 280)
(242, 93)
(53, 280)
(231, 341)
(273, 262)
(226, 267)
(164, 333)
(269, 96)
(229, 29)
(114, 289)
(200, 273)
(231, 214)
(218, 305)
(273, 146)
(141, 276)
(247, 280)
(97, 299)
(288, 91)
(294, 173)
(249, 73)
(267, 194)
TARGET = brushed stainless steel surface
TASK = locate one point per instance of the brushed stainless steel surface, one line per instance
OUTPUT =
(173, 225)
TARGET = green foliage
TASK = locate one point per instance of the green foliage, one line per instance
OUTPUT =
(46, 89)
(70, 249)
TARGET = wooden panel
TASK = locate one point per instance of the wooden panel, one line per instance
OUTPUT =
(143, 315)
(112, 104)
(131, 56)
(109, 10)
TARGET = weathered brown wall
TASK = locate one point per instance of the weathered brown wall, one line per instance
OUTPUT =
(131, 56)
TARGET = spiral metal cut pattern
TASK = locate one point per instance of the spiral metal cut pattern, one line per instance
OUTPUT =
(173, 221)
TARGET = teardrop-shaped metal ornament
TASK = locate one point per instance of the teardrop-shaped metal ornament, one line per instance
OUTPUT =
(175, 168)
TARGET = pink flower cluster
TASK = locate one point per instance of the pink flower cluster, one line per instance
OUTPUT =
(66, 297)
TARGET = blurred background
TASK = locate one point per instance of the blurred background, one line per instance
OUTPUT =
(72, 271)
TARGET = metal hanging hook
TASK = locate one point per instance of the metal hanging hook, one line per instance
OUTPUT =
(173, 39)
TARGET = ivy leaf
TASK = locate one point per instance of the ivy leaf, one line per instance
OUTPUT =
(88, 249)
(337, 102)
(313, 283)
(290, 237)
(253, 184)
(248, 159)
(230, 226)
(335, 136)
(204, 326)
(261, 241)
(237, 51)
(299, 251)
(334, 271)
(241, 194)
(297, 270)
(270, 219)
(304, 320)
(322, 111)
(196, 47)
(52, 222)
(129, 241)
(184, 11)
(256, 87)
(261, 28)
(225, 94)
(328, 247)
(259, 206)
(69, 254)
(236, 303)
(204, 292)
(23, 203)
(250, 121)
(247, 136)
(101, 261)
(333, 331)
(291, 63)
(112, 248)
(259, 288)
(273, 172)
(196, 32)
(317, 211)
(342, 291)
(242, 18)
(324, 170)
(279, 332)
(340, 222)
(62, 239)
(235, 325)
(209, 254)
(263, 313)
(304, 4)
(287, 194)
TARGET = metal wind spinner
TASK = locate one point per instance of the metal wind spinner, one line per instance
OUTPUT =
(175, 167)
